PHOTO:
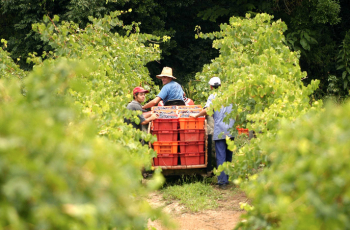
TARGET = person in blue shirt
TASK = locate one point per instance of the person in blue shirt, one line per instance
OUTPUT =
(221, 131)
(170, 91)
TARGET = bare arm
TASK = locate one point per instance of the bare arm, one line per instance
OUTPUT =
(147, 114)
(152, 103)
(201, 113)
(151, 118)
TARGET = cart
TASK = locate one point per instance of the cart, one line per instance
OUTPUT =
(180, 169)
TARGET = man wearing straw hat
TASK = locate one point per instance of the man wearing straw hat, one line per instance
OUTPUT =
(170, 91)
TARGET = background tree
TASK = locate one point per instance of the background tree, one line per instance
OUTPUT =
(316, 28)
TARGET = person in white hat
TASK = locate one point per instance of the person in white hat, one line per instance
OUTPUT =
(170, 91)
(221, 131)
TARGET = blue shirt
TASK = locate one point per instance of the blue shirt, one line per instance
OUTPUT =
(171, 91)
(220, 127)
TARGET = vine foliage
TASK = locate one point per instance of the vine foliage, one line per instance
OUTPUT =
(261, 78)
(67, 159)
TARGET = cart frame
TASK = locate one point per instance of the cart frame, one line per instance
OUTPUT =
(205, 168)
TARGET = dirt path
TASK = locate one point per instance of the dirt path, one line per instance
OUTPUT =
(222, 218)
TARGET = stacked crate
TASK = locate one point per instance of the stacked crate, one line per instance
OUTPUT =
(242, 131)
(166, 130)
(178, 135)
(191, 136)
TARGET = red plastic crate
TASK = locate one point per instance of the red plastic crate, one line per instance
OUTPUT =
(166, 160)
(192, 123)
(242, 130)
(191, 134)
(165, 147)
(168, 111)
(166, 135)
(165, 124)
(191, 146)
(192, 158)
(155, 108)
(188, 107)
(181, 111)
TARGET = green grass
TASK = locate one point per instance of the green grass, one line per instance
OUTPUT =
(196, 196)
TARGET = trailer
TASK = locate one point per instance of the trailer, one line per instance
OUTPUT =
(183, 144)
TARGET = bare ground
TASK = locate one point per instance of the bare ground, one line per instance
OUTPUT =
(226, 216)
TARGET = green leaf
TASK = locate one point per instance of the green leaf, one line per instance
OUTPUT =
(340, 67)
(306, 35)
(344, 74)
(304, 44)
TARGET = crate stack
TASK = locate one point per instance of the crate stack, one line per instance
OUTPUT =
(242, 131)
(180, 138)
(191, 136)
(166, 130)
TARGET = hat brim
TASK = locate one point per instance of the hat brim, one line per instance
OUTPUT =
(160, 76)
(143, 91)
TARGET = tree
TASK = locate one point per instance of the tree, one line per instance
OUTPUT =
(261, 78)
(67, 159)
(316, 28)
(306, 186)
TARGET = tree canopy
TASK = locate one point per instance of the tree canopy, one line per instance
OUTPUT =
(316, 28)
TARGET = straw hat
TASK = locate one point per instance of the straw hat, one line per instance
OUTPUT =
(166, 72)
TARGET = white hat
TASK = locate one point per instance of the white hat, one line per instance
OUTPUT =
(214, 81)
(166, 72)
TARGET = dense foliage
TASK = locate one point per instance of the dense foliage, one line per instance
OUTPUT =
(261, 78)
(8, 68)
(171, 18)
(316, 28)
(56, 172)
(300, 146)
(307, 184)
(119, 63)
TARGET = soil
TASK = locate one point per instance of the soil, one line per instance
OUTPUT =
(226, 216)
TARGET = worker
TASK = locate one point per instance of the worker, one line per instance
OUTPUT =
(221, 131)
(139, 95)
(170, 91)
(187, 101)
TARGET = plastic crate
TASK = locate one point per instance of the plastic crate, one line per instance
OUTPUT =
(192, 123)
(192, 158)
(191, 146)
(195, 111)
(166, 135)
(168, 111)
(187, 115)
(191, 134)
(165, 124)
(155, 108)
(243, 131)
(189, 107)
(165, 147)
(168, 116)
(165, 160)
